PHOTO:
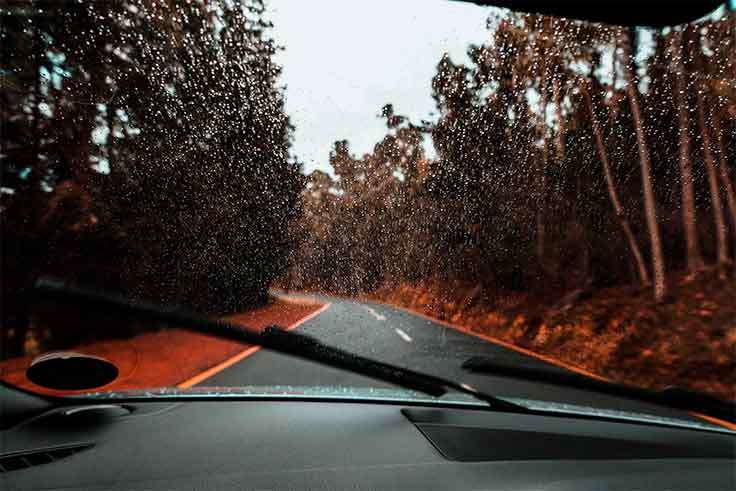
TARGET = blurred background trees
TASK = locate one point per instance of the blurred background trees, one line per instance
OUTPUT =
(145, 150)
(568, 156)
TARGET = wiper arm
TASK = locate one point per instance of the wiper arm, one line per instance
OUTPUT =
(307, 347)
(273, 338)
(676, 398)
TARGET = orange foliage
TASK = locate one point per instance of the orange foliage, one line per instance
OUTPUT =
(167, 357)
(618, 333)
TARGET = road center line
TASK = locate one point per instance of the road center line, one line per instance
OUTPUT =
(403, 335)
(375, 314)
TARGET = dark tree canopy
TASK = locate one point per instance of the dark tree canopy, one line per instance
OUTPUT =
(518, 197)
(146, 150)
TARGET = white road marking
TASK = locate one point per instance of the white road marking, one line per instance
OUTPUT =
(375, 314)
(382, 318)
(403, 335)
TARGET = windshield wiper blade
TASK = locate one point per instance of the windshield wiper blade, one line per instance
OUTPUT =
(304, 346)
(675, 397)
(273, 338)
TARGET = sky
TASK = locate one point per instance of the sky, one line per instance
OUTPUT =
(345, 59)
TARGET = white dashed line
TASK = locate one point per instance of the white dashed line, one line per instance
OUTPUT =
(375, 314)
(403, 335)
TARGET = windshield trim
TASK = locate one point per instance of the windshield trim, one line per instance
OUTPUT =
(387, 397)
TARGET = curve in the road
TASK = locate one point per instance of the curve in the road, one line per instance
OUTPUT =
(427, 345)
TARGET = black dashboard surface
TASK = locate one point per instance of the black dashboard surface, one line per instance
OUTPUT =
(317, 445)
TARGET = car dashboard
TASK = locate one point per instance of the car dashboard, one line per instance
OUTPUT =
(273, 444)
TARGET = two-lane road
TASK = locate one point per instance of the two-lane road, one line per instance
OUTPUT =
(398, 337)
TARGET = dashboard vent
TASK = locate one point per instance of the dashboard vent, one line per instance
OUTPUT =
(22, 460)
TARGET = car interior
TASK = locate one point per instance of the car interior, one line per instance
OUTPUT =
(301, 441)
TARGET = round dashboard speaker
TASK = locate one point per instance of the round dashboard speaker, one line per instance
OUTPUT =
(71, 371)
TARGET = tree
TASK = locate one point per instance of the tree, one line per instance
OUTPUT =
(726, 182)
(611, 186)
(715, 192)
(148, 152)
(689, 215)
(650, 205)
(530, 191)
(365, 229)
(704, 72)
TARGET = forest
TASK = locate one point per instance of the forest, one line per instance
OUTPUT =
(146, 149)
(562, 162)
(579, 200)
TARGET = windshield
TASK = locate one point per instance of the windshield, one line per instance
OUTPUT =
(417, 182)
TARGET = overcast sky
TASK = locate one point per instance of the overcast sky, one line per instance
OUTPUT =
(345, 59)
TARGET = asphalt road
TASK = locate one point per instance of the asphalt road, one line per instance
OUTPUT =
(404, 339)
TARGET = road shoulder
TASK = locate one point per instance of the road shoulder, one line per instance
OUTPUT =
(170, 357)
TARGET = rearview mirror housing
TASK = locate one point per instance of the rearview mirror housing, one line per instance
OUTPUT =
(631, 13)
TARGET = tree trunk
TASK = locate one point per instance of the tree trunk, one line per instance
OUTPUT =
(560, 140)
(110, 119)
(715, 193)
(689, 214)
(732, 9)
(728, 186)
(541, 245)
(39, 165)
(541, 225)
(613, 194)
(543, 156)
(650, 205)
